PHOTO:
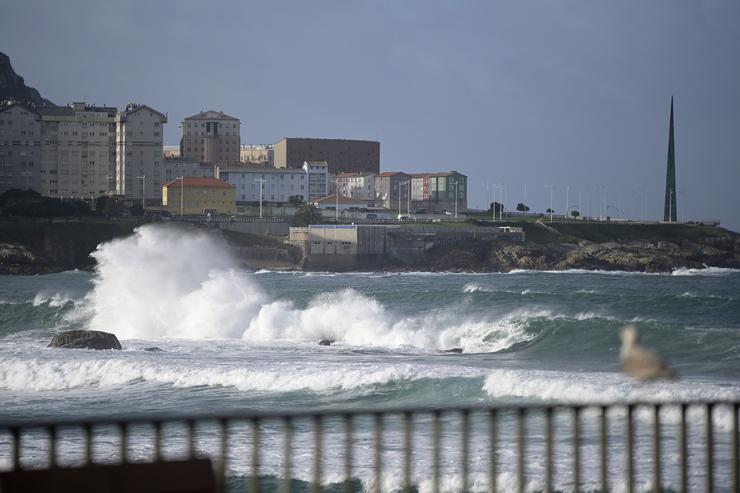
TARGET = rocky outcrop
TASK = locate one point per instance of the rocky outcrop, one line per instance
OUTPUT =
(85, 339)
(13, 87)
(19, 260)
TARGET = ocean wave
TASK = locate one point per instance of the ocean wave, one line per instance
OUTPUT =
(18, 374)
(56, 300)
(707, 271)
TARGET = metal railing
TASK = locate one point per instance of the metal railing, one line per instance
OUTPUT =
(686, 446)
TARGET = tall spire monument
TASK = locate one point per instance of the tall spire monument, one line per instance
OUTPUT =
(669, 213)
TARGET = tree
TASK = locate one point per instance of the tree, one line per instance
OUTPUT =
(550, 211)
(295, 200)
(109, 206)
(522, 208)
(496, 207)
(574, 213)
(307, 214)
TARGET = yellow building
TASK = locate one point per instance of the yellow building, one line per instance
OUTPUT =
(199, 196)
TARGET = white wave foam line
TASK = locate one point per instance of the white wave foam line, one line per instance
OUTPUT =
(56, 300)
(599, 388)
(707, 271)
(52, 375)
(164, 283)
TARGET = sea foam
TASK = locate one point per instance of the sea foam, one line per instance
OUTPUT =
(166, 283)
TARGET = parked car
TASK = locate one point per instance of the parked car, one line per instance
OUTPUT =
(446, 212)
(418, 211)
(405, 217)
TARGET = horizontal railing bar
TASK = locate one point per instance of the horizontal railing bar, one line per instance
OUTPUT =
(264, 416)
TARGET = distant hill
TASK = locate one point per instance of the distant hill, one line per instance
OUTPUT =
(12, 86)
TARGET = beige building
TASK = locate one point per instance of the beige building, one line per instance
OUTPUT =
(138, 170)
(77, 150)
(393, 189)
(211, 137)
(20, 148)
(196, 196)
(343, 156)
(359, 186)
(257, 155)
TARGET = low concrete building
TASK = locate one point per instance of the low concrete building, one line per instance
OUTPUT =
(339, 239)
(278, 185)
(195, 196)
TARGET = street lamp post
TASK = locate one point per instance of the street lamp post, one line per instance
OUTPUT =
(261, 182)
(143, 191)
(551, 211)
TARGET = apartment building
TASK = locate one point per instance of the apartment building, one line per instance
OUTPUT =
(359, 186)
(20, 148)
(277, 185)
(139, 155)
(211, 137)
(318, 179)
(342, 156)
(439, 191)
(194, 196)
(77, 150)
(393, 189)
(257, 155)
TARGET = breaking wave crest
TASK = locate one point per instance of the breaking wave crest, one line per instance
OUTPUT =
(166, 283)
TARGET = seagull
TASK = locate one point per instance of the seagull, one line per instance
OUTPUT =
(640, 362)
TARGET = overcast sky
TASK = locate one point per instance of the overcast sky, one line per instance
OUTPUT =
(520, 93)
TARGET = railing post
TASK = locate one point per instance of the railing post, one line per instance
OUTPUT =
(347, 487)
(224, 426)
(465, 425)
(157, 441)
(629, 466)
(190, 424)
(683, 451)
(656, 448)
(576, 449)
(287, 455)
(734, 452)
(548, 450)
(378, 462)
(407, 431)
(317, 431)
(710, 449)
(493, 449)
(435, 451)
(52, 446)
(16, 432)
(520, 430)
(603, 445)
(87, 432)
(123, 432)
(255, 486)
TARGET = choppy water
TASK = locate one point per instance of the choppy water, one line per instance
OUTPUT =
(247, 341)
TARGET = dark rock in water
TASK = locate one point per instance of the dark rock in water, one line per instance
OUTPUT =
(154, 349)
(457, 350)
(85, 339)
(326, 342)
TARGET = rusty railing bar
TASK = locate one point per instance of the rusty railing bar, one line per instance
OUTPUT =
(656, 448)
(157, 441)
(87, 432)
(493, 449)
(123, 434)
(190, 424)
(52, 431)
(734, 452)
(683, 451)
(548, 450)
(224, 452)
(576, 449)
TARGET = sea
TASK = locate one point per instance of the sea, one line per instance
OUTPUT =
(203, 336)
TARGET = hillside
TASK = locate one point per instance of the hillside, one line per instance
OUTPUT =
(12, 86)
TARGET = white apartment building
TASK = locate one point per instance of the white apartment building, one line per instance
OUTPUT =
(77, 150)
(359, 186)
(211, 137)
(139, 157)
(318, 179)
(20, 148)
(278, 185)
